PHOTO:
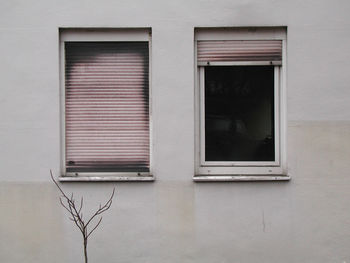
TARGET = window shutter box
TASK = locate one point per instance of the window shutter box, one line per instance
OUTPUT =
(107, 107)
(239, 51)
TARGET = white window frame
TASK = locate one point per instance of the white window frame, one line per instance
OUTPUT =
(101, 35)
(243, 170)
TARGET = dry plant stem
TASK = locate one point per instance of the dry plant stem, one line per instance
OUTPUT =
(77, 216)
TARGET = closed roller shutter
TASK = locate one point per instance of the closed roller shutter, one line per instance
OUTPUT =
(239, 50)
(107, 106)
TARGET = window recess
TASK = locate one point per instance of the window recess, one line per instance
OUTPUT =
(106, 126)
(240, 117)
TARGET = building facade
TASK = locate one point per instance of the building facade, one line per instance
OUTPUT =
(276, 175)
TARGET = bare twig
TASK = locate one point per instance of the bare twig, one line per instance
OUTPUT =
(99, 221)
(77, 216)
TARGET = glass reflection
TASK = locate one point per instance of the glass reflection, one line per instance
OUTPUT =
(239, 113)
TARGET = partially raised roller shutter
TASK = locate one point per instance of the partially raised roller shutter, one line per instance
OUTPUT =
(239, 50)
(107, 106)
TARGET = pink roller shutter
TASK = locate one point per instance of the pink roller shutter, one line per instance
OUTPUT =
(107, 106)
(239, 50)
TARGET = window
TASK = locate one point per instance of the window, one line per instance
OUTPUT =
(105, 82)
(240, 97)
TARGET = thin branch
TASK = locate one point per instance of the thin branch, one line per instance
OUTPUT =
(81, 205)
(76, 214)
(99, 221)
(102, 209)
(64, 205)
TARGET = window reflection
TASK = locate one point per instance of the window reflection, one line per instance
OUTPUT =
(239, 113)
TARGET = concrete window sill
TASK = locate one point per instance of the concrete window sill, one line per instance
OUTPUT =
(106, 178)
(240, 178)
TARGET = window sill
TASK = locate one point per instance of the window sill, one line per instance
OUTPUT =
(240, 178)
(106, 178)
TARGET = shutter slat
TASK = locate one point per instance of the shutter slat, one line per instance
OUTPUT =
(239, 50)
(107, 115)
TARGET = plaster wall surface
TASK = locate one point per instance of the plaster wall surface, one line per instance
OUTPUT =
(175, 219)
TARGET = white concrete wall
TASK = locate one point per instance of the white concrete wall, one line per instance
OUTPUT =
(174, 219)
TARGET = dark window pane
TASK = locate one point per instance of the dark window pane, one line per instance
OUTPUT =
(239, 113)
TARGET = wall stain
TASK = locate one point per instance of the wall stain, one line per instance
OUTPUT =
(263, 221)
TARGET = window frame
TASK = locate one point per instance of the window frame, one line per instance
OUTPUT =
(101, 35)
(241, 171)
